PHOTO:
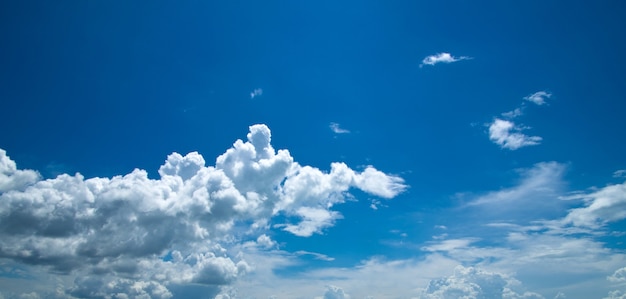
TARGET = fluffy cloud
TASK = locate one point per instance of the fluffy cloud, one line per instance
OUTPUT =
(539, 97)
(442, 58)
(333, 292)
(138, 237)
(473, 283)
(13, 179)
(507, 135)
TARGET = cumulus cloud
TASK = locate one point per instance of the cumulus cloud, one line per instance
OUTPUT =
(333, 292)
(602, 206)
(508, 135)
(337, 129)
(442, 58)
(539, 97)
(474, 283)
(134, 235)
(256, 92)
(12, 178)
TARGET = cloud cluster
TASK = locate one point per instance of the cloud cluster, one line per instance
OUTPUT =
(474, 283)
(507, 134)
(442, 58)
(133, 236)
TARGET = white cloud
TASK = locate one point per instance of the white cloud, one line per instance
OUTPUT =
(602, 206)
(112, 233)
(539, 97)
(475, 283)
(13, 179)
(538, 185)
(337, 129)
(317, 256)
(513, 114)
(333, 292)
(442, 58)
(616, 295)
(256, 92)
(507, 135)
(618, 276)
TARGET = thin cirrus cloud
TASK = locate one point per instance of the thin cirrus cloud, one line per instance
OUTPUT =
(112, 233)
(442, 58)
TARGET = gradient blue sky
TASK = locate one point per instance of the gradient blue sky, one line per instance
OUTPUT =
(484, 145)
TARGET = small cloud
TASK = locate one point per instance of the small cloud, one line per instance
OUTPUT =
(620, 173)
(375, 204)
(337, 129)
(513, 114)
(442, 58)
(507, 135)
(255, 93)
(539, 97)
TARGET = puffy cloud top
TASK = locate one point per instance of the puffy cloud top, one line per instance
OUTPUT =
(136, 236)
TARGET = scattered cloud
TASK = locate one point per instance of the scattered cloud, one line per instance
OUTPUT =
(539, 97)
(508, 135)
(337, 129)
(442, 58)
(135, 236)
(256, 92)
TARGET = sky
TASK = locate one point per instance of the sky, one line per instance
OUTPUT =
(313, 149)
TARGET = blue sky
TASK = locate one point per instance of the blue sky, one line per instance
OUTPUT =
(402, 149)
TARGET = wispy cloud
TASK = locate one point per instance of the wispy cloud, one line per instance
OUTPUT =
(317, 256)
(539, 97)
(508, 135)
(255, 93)
(442, 58)
(620, 173)
(337, 129)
